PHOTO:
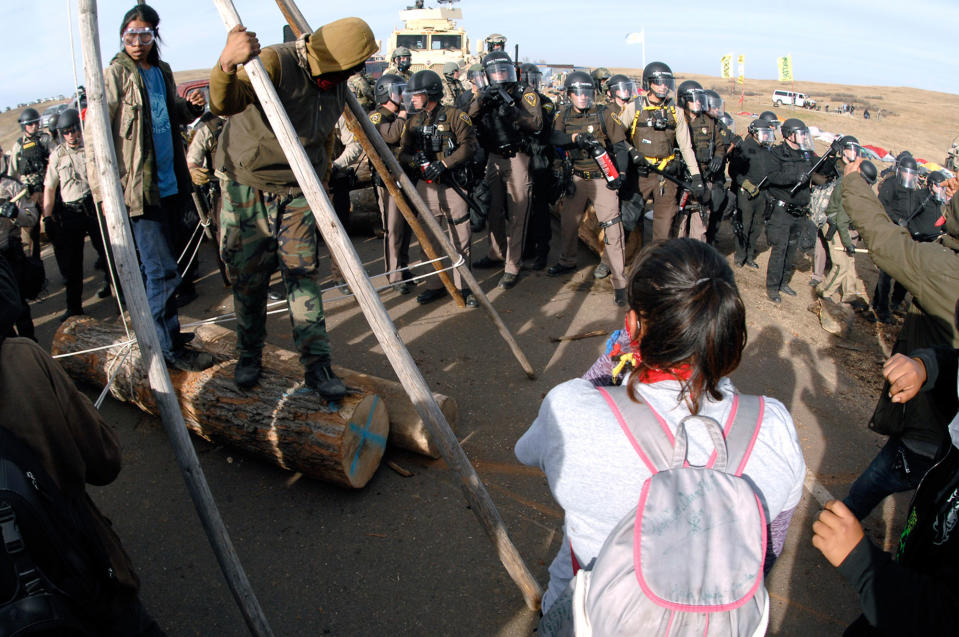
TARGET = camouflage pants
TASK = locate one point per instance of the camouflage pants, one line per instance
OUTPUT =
(260, 232)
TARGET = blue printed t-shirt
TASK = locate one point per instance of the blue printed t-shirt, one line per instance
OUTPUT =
(162, 131)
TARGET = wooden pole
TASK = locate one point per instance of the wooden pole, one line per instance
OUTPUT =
(121, 240)
(386, 164)
(409, 375)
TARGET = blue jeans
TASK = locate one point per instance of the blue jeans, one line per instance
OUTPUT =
(895, 469)
(153, 235)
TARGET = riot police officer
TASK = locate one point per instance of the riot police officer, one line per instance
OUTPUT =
(438, 141)
(710, 148)
(748, 167)
(390, 118)
(901, 196)
(76, 219)
(28, 164)
(655, 128)
(495, 42)
(787, 211)
(400, 61)
(620, 91)
(587, 131)
(507, 117)
(542, 156)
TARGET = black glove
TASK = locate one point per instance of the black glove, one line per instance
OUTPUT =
(836, 146)
(51, 227)
(585, 140)
(434, 171)
(715, 165)
(851, 251)
(615, 184)
(697, 186)
(9, 210)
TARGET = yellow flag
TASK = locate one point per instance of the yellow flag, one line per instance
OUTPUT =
(742, 69)
(785, 65)
(726, 66)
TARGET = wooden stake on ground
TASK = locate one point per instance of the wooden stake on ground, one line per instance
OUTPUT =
(382, 327)
(100, 142)
(278, 421)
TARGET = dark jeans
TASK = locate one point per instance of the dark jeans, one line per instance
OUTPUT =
(152, 232)
(782, 233)
(894, 470)
(75, 226)
(752, 211)
(880, 298)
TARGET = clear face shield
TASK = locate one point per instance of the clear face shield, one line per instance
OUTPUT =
(662, 85)
(765, 135)
(938, 192)
(714, 106)
(534, 80)
(478, 79)
(695, 100)
(728, 122)
(581, 96)
(499, 73)
(396, 93)
(414, 101)
(908, 177)
(803, 139)
(623, 90)
(851, 151)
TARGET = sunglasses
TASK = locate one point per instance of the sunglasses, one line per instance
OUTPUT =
(143, 35)
(70, 131)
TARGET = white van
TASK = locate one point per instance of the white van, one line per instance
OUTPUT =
(789, 97)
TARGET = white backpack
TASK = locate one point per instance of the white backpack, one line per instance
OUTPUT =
(688, 559)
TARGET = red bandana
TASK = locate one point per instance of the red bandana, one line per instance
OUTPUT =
(647, 375)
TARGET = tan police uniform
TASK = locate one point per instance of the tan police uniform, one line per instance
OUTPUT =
(590, 185)
(456, 126)
(397, 233)
(656, 130)
(508, 177)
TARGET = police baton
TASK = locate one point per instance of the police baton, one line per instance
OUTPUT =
(808, 175)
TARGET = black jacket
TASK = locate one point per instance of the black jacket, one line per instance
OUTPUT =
(917, 593)
(787, 167)
(749, 160)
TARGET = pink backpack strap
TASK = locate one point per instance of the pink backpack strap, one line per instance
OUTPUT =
(742, 433)
(645, 429)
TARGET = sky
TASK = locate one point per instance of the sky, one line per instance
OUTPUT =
(864, 42)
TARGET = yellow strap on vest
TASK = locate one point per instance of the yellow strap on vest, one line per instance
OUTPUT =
(660, 163)
(670, 109)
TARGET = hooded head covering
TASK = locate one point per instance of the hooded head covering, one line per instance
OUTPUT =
(340, 46)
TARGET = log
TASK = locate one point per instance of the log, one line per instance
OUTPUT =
(589, 234)
(281, 421)
(407, 430)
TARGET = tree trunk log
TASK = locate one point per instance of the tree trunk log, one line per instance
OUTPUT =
(280, 420)
(407, 430)
(589, 230)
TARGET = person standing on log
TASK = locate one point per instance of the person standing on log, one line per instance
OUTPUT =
(145, 114)
(265, 221)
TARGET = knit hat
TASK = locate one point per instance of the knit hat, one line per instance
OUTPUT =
(340, 46)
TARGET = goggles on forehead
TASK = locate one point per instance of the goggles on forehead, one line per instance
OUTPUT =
(143, 35)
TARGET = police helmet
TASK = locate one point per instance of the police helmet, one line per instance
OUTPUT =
(28, 116)
(621, 86)
(850, 145)
(477, 76)
(763, 131)
(714, 103)
(532, 76)
(579, 83)
(907, 172)
(934, 184)
(728, 122)
(770, 117)
(868, 171)
(428, 82)
(798, 130)
(402, 57)
(499, 68)
(691, 96)
(659, 74)
(68, 118)
(389, 88)
(495, 42)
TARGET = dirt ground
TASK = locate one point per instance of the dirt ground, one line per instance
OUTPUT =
(405, 555)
